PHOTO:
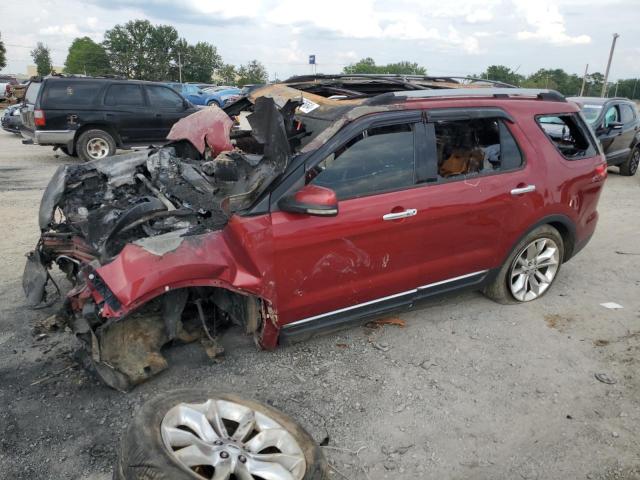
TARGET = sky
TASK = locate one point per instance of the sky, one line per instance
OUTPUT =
(455, 37)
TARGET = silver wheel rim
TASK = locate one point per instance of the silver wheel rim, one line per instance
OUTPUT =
(220, 439)
(534, 269)
(97, 148)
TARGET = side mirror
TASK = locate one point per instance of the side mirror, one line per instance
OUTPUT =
(311, 200)
(615, 125)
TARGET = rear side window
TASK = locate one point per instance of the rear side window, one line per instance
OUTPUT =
(627, 115)
(569, 134)
(475, 147)
(379, 159)
(31, 94)
(60, 94)
(164, 98)
(124, 95)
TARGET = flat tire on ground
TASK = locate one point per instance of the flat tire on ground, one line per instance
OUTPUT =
(192, 434)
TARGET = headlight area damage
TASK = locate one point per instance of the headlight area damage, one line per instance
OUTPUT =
(141, 238)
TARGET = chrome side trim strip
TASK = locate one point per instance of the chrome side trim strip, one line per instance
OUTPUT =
(346, 309)
(371, 302)
(454, 279)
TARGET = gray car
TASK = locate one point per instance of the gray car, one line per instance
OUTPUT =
(616, 123)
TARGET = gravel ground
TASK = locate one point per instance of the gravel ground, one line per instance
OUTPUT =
(468, 389)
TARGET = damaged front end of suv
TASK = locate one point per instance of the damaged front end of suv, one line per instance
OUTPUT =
(141, 238)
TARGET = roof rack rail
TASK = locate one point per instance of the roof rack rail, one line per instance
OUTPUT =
(540, 94)
(398, 76)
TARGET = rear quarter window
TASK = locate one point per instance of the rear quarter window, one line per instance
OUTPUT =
(569, 134)
(62, 94)
(31, 94)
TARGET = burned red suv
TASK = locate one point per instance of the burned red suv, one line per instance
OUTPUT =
(313, 204)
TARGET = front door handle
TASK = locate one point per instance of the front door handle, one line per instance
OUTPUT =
(521, 190)
(410, 212)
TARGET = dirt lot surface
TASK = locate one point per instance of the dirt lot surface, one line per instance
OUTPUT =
(468, 389)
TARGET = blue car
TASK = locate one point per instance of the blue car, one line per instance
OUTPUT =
(197, 96)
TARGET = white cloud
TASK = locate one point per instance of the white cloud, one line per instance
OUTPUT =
(67, 30)
(479, 16)
(547, 22)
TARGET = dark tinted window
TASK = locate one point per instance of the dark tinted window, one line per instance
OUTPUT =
(627, 114)
(164, 97)
(568, 134)
(124, 95)
(379, 159)
(474, 147)
(80, 93)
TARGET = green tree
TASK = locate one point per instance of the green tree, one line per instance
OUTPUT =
(227, 74)
(501, 73)
(42, 58)
(593, 84)
(3, 54)
(252, 72)
(141, 50)
(556, 79)
(87, 57)
(368, 65)
(629, 88)
(200, 62)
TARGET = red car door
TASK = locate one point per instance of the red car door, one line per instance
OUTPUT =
(367, 255)
(480, 195)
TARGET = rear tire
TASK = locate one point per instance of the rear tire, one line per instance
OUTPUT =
(213, 102)
(95, 144)
(500, 289)
(144, 456)
(630, 165)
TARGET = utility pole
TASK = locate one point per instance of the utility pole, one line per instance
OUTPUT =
(606, 73)
(633, 95)
(179, 67)
(616, 92)
(584, 79)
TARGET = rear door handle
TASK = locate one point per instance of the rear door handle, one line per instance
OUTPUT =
(521, 190)
(410, 212)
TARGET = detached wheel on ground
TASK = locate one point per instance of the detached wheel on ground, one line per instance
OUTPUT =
(95, 144)
(630, 165)
(197, 434)
(530, 269)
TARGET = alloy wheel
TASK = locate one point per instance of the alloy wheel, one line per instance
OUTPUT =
(97, 148)
(223, 440)
(534, 269)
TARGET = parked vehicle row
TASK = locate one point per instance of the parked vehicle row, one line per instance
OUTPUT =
(92, 117)
(218, 96)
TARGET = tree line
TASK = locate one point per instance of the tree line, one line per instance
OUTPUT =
(568, 84)
(142, 51)
(556, 79)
